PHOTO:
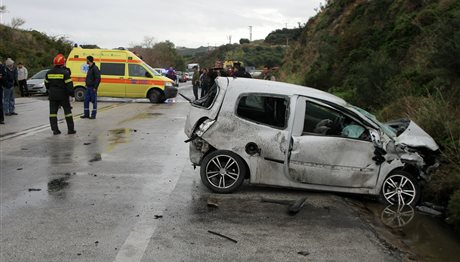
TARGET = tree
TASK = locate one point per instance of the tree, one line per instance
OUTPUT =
(244, 41)
(16, 22)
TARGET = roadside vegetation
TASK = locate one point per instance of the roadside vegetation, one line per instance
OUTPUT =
(34, 49)
(398, 59)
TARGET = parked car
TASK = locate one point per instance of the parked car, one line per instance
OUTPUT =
(181, 76)
(36, 84)
(286, 135)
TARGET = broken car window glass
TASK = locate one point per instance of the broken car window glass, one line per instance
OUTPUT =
(207, 100)
(263, 109)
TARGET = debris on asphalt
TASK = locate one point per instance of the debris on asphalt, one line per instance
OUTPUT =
(294, 206)
(158, 216)
(429, 211)
(276, 201)
(223, 236)
(212, 202)
(97, 157)
(87, 143)
(78, 254)
(435, 207)
(57, 184)
(34, 189)
(19, 168)
(137, 215)
(303, 253)
(97, 242)
(297, 206)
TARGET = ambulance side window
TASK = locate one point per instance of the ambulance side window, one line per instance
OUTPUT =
(138, 71)
(113, 69)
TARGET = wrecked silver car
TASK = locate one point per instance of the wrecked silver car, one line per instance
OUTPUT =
(285, 135)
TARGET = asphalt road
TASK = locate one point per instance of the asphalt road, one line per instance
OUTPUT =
(123, 189)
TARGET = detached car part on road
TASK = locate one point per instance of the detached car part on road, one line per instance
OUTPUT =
(285, 135)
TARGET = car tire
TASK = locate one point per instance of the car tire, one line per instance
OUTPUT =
(155, 96)
(79, 94)
(400, 188)
(222, 171)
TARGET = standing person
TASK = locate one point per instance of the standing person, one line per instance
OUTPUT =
(10, 75)
(195, 81)
(203, 81)
(22, 79)
(266, 74)
(59, 86)
(93, 78)
(2, 117)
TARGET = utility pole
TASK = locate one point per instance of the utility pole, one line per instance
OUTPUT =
(1, 11)
(229, 39)
(250, 33)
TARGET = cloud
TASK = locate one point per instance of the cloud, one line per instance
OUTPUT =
(109, 23)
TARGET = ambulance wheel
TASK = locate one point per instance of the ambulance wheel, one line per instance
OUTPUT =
(155, 96)
(79, 94)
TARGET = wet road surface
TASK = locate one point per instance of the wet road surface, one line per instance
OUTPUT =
(123, 189)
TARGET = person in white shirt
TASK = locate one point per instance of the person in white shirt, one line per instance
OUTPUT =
(22, 79)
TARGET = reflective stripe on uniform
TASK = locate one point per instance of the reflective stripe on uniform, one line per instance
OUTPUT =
(68, 80)
(55, 76)
(53, 115)
(68, 115)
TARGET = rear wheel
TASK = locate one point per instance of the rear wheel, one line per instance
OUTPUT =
(222, 171)
(79, 94)
(155, 96)
(400, 188)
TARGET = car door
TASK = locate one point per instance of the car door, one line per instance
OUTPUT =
(112, 79)
(137, 83)
(330, 148)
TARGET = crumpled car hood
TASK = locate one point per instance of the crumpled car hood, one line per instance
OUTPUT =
(415, 136)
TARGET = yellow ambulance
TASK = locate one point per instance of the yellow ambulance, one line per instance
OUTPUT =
(123, 74)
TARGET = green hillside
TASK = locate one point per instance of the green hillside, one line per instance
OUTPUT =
(397, 58)
(34, 49)
(255, 54)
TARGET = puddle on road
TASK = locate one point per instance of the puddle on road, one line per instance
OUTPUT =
(140, 116)
(118, 136)
(429, 238)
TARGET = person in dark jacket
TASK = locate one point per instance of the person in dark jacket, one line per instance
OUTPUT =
(10, 75)
(59, 86)
(2, 116)
(241, 72)
(93, 78)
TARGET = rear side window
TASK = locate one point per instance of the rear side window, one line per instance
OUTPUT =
(113, 69)
(263, 109)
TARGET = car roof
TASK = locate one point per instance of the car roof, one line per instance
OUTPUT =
(279, 88)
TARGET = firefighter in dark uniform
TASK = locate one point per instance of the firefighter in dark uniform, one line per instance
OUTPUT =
(59, 86)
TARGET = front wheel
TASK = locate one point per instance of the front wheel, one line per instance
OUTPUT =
(400, 188)
(79, 94)
(155, 96)
(222, 171)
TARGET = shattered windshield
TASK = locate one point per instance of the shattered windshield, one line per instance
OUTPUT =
(385, 128)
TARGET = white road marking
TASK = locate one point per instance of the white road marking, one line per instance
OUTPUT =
(137, 242)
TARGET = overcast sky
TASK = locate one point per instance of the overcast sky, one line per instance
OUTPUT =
(115, 23)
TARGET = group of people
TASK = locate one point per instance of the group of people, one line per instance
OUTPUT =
(59, 84)
(204, 78)
(8, 79)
